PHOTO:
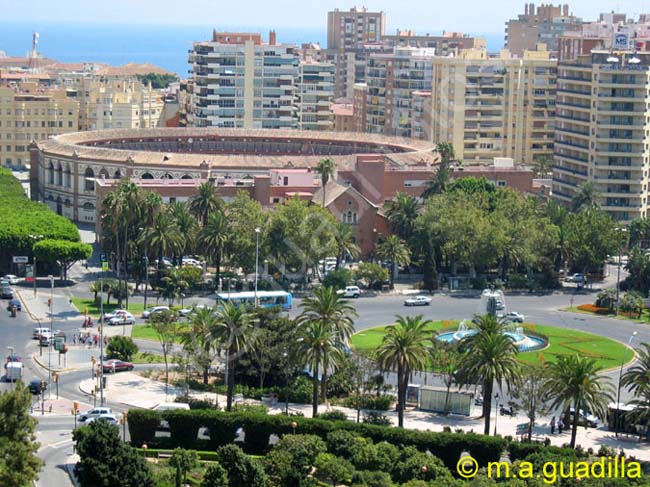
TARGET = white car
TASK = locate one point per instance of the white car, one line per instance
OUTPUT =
(113, 314)
(13, 279)
(93, 413)
(514, 316)
(349, 292)
(152, 311)
(188, 311)
(124, 318)
(418, 301)
(109, 418)
(192, 262)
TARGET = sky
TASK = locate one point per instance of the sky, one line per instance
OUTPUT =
(470, 16)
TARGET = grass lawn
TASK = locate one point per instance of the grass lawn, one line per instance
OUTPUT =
(90, 305)
(645, 316)
(146, 332)
(608, 353)
(147, 358)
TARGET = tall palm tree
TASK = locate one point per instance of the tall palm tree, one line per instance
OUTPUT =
(132, 200)
(200, 337)
(576, 381)
(345, 243)
(542, 166)
(403, 351)
(175, 284)
(328, 308)
(315, 341)
(585, 197)
(490, 357)
(186, 225)
(326, 169)
(402, 213)
(439, 182)
(163, 236)
(215, 237)
(234, 328)
(637, 380)
(394, 250)
(205, 201)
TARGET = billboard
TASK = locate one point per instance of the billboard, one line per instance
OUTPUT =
(432, 399)
(621, 41)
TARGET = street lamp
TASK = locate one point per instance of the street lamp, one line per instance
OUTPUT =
(496, 412)
(146, 267)
(618, 271)
(257, 258)
(35, 238)
(618, 393)
(49, 345)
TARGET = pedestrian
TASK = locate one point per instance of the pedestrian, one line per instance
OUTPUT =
(560, 426)
(553, 425)
(74, 339)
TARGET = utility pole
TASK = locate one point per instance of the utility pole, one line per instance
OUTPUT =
(51, 340)
(101, 329)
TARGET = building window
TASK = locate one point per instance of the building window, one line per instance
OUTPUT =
(67, 176)
(501, 183)
(146, 175)
(50, 173)
(59, 175)
(89, 182)
(350, 217)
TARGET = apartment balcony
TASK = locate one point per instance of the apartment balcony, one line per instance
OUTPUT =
(577, 133)
(581, 94)
(562, 103)
(564, 182)
(570, 171)
(561, 194)
(571, 158)
(572, 145)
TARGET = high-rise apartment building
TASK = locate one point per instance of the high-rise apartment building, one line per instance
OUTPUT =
(354, 28)
(240, 82)
(314, 95)
(32, 113)
(601, 132)
(117, 103)
(392, 78)
(545, 24)
(446, 44)
(495, 106)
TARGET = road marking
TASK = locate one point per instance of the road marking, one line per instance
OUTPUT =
(58, 444)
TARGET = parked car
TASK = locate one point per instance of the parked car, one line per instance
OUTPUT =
(514, 316)
(166, 262)
(36, 386)
(124, 318)
(350, 292)
(95, 412)
(6, 293)
(117, 366)
(12, 279)
(577, 278)
(113, 314)
(109, 418)
(585, 418)
(16, 303)
(152, 311)
(188, 311)
(38, 332)
(192, 262)
(418, 301)
(500, 305)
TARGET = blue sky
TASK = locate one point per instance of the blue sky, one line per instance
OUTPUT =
(421, 15)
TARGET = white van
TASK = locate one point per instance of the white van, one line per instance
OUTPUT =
(14, 371)
(38, 332)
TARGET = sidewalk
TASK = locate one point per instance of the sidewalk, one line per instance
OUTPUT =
(133, 390)
(38, 309)
(55, 407)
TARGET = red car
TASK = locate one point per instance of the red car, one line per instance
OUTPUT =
(115, 365)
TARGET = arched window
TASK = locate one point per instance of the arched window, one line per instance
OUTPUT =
(146, 175)
(50, 173)
(88, 206)
(349, 217)
(186, 176)
(168, 176)
(59, 174)
(89, 183)
(103, 173)
(67, 203)
(67, 176)
(117, 175)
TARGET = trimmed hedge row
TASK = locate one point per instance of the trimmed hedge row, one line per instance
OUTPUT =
(222, 427)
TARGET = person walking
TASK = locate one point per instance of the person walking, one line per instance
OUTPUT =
(553, 425)
(560, 426)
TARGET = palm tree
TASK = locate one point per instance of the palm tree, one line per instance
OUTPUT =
(200, 338)
(215, 237)
(205, 201)
(576, 381)
(542, 166)
(402, 213)
(315, 341)
(163, 236)
(439, 182)
(175, 284)
(186, 225)
(328, 308)
(489, 356)
(586, 197)
(394, 250)
(637, 380)
(403, 351)
(345, 243)
(234, 329)
(326, 169)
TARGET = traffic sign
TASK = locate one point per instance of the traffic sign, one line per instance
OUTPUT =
(20, 259)
(104, 266)
(102, 257)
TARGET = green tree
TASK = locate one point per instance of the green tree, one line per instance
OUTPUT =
(334, 469)
(632, 302)
(242, 470)
(19, 464)
(640, 233)
(291, 461)
(62, 252)
(402, 213)
(438, 184)
(490, 357)
(542, 166)
(637, 380)
(234, 329)
(158, 80)
(403, 351)
(585, 197)
(446, 357)
(200, 340)
(214, 238)
(187, 226)
(395, 251)
(531, 395)
(244, 216)
(575, 381)
(592, 236)
(215, 476)
(345, 244)
(104, 460)
(371, 274)
(175, 286)
(205, 201)
(183, 461)
(121, 348)
(163, 237)
(166, 326)
(326, 168)
(327, 307)
(638, 266)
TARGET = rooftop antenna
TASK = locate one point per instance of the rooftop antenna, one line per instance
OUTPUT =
(33, 54)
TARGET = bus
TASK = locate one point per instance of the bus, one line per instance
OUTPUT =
(266, 299)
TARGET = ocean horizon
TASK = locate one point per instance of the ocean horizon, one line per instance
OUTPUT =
(163, 45)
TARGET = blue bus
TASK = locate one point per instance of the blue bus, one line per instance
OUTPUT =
(266, 299)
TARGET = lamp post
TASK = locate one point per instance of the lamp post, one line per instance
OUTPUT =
(618, 270)
(257, 258)
(49, 344)
(35, 238)
(146, 267)
(618, 392)
(496, 412)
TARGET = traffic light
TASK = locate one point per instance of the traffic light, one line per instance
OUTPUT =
(93, 359)
(55, 377)
(75, 406)
(49, 302)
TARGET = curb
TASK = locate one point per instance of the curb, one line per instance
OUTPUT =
(37, 360)
(29, 311)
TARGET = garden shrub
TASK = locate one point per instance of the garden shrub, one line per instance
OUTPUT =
(183, 426)
(142, 425)
(333, 416)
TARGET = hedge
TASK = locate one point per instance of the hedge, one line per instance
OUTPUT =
(222, 426)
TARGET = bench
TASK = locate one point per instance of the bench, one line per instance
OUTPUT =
(163, 455)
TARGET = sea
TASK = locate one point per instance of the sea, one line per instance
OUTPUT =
(163, 45)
